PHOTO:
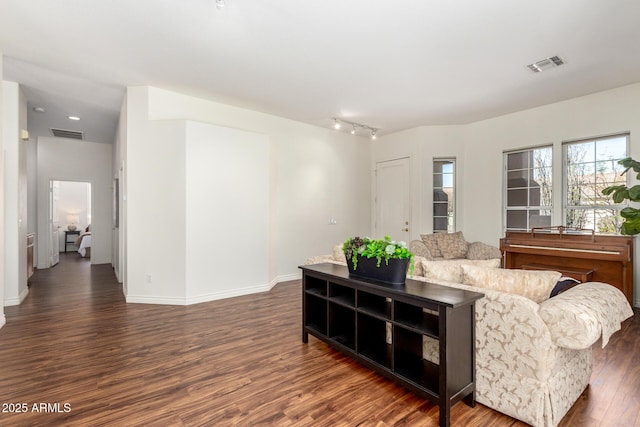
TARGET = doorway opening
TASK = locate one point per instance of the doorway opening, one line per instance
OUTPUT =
(70, 219)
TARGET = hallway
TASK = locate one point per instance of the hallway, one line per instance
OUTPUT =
(72, 284)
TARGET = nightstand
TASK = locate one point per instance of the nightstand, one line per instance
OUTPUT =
(68, 233)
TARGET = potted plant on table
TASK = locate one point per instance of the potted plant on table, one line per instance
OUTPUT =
(384, 260)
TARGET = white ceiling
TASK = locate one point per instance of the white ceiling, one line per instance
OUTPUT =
(390, 65)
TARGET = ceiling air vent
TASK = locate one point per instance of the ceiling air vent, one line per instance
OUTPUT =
(63, 133)
(545, 64)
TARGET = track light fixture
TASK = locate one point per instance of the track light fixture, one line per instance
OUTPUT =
(337, 124)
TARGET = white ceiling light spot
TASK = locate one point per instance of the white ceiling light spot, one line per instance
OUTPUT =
(76, 118)
(220, 4)
(38, 109)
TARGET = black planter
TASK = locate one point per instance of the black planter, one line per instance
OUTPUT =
(395, 273)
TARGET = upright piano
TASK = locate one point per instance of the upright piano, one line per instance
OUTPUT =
(583, 256)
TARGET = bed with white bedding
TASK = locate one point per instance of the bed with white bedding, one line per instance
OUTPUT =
(83, 242)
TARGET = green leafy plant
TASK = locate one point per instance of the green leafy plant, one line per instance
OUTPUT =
(380, 249)
(620, 193)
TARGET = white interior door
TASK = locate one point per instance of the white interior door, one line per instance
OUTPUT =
(393, 199)
(54, 223)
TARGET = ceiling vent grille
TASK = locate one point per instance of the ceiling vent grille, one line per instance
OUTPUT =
(64, 133)
(545, 64)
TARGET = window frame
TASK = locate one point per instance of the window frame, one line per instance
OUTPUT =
(505, 187)
(565, 179)
(451, 227)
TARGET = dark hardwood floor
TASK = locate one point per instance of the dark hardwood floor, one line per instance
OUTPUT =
(238, 361)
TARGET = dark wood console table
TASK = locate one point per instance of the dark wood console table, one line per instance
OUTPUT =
(355, 315)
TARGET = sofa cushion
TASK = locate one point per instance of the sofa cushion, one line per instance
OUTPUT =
(452, 245)
(535, 285)
(431, 241)
(451, 270)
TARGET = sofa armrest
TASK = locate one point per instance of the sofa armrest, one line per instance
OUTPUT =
(480, 250)
(577, 317)
(319, 259)
(419, 249)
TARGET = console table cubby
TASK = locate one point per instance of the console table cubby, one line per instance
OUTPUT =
(383, 327)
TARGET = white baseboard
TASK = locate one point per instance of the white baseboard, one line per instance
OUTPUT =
(287, 277)
(24, 293)
(142, 299)
(200, 298)
(17, 301)
(11, 301)
(229, 294)
(3, 320)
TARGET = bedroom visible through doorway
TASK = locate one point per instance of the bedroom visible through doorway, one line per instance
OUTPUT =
(70, 218)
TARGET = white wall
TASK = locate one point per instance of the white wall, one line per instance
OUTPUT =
(420, 144)
(319, 174)
(479, 149)
(15, 193)
(603, 113)
(2, 171)
(156, 244)
(72, 160)
(314, 174)
(227, 212)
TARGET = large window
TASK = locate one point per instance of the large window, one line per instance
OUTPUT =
(590, 166)
(444, 179)
(528, 188)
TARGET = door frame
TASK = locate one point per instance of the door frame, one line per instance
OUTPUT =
(374, 193)
(53, 224)
(49, 234)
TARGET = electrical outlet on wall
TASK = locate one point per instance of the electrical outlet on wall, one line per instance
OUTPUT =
(333, 221)
(149, 278)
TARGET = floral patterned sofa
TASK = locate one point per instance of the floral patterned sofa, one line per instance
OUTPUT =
(533, 352)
